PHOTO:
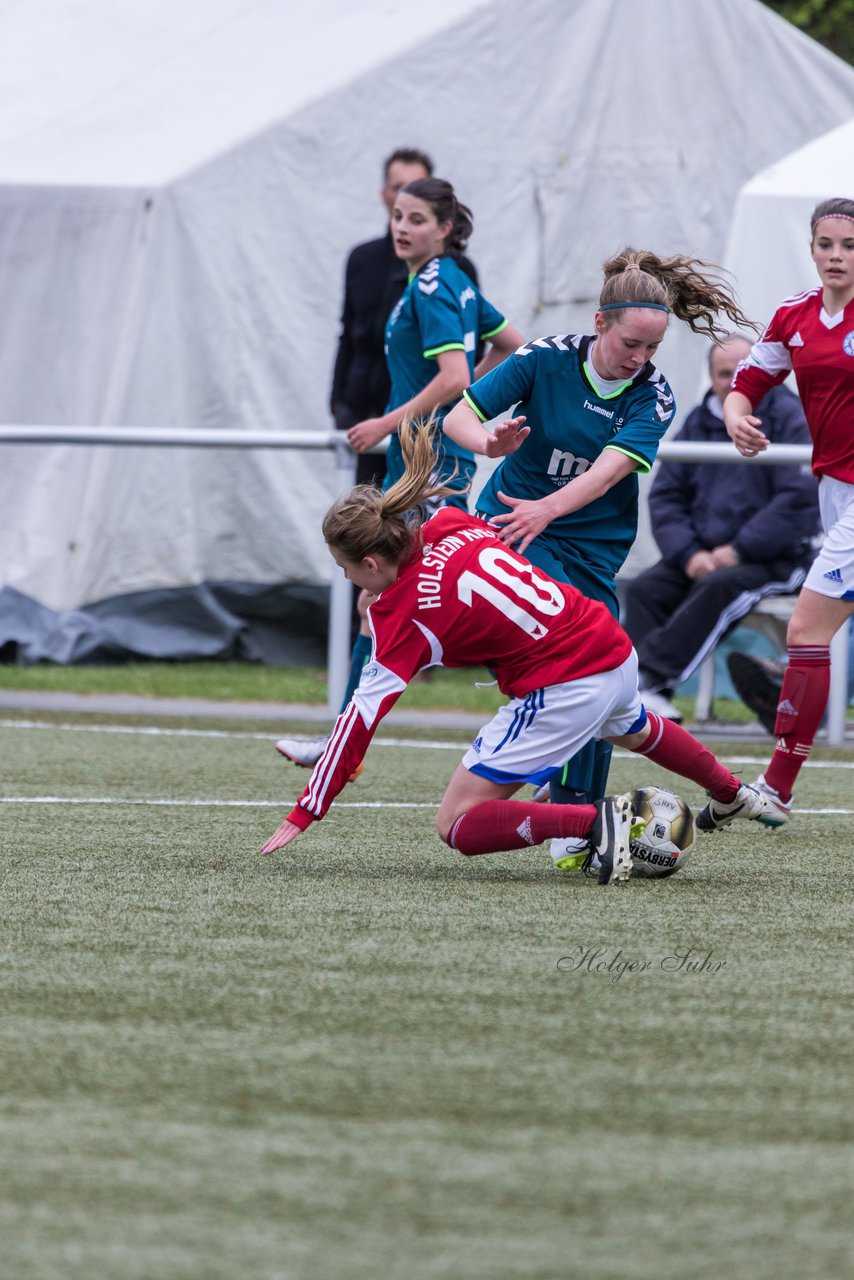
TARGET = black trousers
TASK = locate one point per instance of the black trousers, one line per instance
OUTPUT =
(674, 623)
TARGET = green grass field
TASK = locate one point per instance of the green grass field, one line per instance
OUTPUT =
(251, 682)
(369, 1057)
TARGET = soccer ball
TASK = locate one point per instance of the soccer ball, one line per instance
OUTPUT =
(665, 844)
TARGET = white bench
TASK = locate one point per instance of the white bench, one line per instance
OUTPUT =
(771, 617)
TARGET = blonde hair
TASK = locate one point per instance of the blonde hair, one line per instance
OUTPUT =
(369, 522)
(677, 283)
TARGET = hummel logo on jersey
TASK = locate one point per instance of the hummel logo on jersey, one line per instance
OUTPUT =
(834, 575)
(428, 279)
(796, 341)
(544, 344)
(596, 408)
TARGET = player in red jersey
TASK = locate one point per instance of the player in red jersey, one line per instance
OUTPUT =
(451, 592)
(812, 334)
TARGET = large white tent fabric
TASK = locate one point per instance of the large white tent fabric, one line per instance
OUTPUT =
(773, 209)
(179, 187)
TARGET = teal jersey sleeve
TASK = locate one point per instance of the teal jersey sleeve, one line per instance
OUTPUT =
(439, 311)
(646, 416)
(490, 319)
(504, 386)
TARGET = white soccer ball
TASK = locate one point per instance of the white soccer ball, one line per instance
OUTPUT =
(666, 842)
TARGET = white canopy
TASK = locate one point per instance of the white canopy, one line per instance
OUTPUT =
(773, 209)
(179, 188)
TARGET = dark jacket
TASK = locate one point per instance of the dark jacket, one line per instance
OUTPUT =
(373, 281)
(765, 512)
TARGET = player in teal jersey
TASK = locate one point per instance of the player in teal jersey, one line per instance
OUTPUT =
(431, 339)
(434, 331)
(591, 413)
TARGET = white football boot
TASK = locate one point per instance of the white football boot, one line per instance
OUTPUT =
(749, 802)
(303, 751)
(775, 811)
(307, 751)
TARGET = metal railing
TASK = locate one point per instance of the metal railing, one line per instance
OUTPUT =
(338, 643)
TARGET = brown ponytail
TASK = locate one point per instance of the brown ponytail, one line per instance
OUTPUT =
(689, 287)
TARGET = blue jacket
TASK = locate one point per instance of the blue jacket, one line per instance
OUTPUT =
(766, 513)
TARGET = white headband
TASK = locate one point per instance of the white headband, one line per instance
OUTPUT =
(846, 217)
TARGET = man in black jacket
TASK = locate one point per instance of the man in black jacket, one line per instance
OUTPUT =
(374, 280)
(728, 534)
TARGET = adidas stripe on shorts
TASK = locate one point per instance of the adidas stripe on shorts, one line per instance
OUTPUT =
(832, 572)
(532, 736)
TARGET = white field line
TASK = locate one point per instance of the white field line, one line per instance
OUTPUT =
(154, 732)
(209, 804)
(425, 744)
(119, 801)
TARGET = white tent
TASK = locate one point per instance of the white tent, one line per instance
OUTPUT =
(179, 187)
(773, 209)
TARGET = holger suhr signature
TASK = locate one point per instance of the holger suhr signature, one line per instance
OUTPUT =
(616, 964)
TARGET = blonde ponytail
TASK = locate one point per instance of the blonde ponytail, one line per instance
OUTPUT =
(368, 522)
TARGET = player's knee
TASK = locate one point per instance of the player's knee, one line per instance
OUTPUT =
(444, 823)
(632, 741)
(800, 631)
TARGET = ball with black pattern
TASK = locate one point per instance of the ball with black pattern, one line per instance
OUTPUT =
(667, 840)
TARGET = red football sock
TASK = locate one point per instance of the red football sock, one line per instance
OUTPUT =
(803, 698)
(675, 749)
(497, 825)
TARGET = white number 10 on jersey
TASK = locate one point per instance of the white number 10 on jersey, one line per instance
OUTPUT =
(521, 585)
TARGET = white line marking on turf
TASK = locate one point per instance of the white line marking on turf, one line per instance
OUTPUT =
(155, 732)
(426, 744)
(212, 804)
(263, 804)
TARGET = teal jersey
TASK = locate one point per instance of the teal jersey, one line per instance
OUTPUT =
(441, 310)
(570, 426)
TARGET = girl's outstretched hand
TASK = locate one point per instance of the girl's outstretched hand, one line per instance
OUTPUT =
(286, 834)
(507, 437)
(522, 523)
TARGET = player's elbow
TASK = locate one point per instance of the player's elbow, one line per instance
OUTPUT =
(456, 385)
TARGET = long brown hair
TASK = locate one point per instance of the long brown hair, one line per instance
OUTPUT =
(368, 522)
(689, 287)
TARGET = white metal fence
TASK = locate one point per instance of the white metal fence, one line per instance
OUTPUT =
(338, 647)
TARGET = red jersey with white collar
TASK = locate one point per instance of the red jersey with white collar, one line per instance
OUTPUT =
(464, 599)
(820, 349)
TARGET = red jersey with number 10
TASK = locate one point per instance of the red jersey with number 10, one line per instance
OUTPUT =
(820, 349)
(464, 599)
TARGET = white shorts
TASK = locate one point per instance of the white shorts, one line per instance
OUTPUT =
(530, 737)
(832, 572)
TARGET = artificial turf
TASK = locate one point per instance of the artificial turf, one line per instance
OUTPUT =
(370, 1057)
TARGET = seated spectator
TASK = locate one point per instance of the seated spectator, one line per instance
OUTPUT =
(728, 536)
